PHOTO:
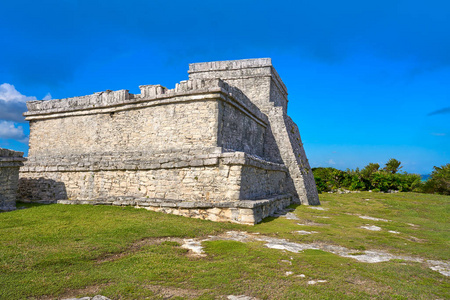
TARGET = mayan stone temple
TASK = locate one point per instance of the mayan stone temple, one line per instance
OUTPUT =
(220, 146)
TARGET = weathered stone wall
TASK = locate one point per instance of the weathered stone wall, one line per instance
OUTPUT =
(211, 178)
(213, 115)
(238, 132)
(260, 82)
(256, 78)
(128, 130)
(216, 147)
(10, 162)
(286, 133)
(247, 212)
(243, 212)
(305, 179)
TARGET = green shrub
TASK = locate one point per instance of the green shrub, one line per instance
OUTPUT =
(328, 179)
(392, 166)
(439, 181)
(371, 177)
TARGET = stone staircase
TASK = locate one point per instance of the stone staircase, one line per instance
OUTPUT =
(287, 137)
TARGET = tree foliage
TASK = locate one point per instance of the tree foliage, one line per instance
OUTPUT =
(370, 169)
(392, 166)
(439, 181)
(371, 177)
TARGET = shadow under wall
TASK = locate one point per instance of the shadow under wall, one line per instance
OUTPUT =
(270, 151)
(41, 189)
(271, 148)
(284, 186)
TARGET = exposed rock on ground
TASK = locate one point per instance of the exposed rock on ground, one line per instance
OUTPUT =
(367, 256)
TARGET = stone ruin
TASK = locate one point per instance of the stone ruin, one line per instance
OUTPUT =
(220, 146)
(10, 162)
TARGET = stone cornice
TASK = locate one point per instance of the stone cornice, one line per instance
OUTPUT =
(151, 95)
(135, 161)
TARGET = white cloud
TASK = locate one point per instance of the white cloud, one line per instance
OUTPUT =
(331, 162)
(48, 97)
(12, 111)
(8, 130)
(8, 93)
(12, 106)
(438, 134)
(12, 103)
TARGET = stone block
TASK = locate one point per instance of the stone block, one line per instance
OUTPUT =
(10, 162)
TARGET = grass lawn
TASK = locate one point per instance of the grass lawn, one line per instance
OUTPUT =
(62, 251)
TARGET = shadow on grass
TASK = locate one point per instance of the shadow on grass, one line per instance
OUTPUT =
(280, 213)
(23, 205)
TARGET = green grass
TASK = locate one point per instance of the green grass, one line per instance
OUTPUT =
(430, 237)
(56, 251)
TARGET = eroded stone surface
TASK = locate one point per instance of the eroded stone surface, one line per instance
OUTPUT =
(367, 256)
(439, 266)
(195, 246)
(373, 219)
(240, 297)
(206, 149)
(312, 282)
(371, 227)
(96, 297)
(317, 208)
(304, 232)
(10, 162)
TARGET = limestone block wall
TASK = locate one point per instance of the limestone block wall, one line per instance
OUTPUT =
(218, 146)
(257, 79)
(197, 114)
(216, 177)
(162, 144)
(309, 194)
(150, 129)
(293, 154)
(10, 162)
(239, 132)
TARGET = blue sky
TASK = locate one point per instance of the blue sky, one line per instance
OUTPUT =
(367, 80)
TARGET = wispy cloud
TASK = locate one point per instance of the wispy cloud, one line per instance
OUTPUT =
(8, 93)
(331, 162)
(8, 130)
(438, 134)
(442, 111)
(12, 106)
(48, 97)
(12, 103)
(12, 111)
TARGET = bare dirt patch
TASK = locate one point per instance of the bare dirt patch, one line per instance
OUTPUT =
(369, 286)
(311, 223)
(416, 240)
(89, 290)
(168, 292)
(135, 247)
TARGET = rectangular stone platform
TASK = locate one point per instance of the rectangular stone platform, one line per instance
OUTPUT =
(247, 212)
(218, 141)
